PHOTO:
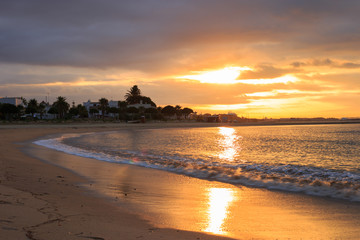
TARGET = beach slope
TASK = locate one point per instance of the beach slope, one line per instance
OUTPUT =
(42, 201)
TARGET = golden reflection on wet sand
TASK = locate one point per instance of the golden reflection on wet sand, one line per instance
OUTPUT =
(169, 200)
(219, 201)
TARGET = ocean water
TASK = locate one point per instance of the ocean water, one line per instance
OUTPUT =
(322, 160)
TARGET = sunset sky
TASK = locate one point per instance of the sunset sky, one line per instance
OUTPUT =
(258, 58)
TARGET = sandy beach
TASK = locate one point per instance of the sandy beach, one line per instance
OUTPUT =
(45, 194)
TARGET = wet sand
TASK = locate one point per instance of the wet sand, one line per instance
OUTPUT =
(102, 200)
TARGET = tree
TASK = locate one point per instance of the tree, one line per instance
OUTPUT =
(74, 111)
(61, 106)
(153, 113)
(168, 111)
(133, 112)
(114, 111)
(82, 111)
(24, 101)
(21, 110)
(104, 104)
(53, 110)
(122, 107)
(93, 111)
(8, 110)
(32, 107)
(133, 95)
(41, 109)
(186, 112)
(78, 110)
(178, 111)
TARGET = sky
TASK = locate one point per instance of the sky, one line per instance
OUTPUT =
(255, 58)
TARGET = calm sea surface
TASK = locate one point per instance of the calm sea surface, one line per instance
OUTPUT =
(319, 160)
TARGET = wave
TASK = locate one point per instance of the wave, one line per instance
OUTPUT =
(295, 178)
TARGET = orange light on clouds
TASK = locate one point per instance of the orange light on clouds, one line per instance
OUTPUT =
(273, 93)
(284, 79)
(72, 84)
(273, 107)
(230, 75)
(227, 75)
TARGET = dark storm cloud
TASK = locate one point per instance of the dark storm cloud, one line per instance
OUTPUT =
(155, 33)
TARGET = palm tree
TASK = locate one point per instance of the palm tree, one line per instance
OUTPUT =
(32, 107)
(61, 106)
(133, 95)
(104, 103)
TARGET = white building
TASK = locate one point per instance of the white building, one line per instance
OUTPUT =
(11, 100)
(88, 105)
(96, 105)
(141, 104)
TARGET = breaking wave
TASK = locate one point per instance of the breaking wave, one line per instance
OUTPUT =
(310, 180)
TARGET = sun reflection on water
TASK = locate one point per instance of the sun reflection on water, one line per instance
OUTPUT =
(228, 143)
(219, 202)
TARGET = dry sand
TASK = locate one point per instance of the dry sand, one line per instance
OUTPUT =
(43, 201)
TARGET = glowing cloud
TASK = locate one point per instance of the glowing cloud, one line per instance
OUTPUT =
(272, 93)
(284, 79)
(227, 75)
(230, 75)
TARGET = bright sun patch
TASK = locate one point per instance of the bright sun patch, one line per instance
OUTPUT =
(230, 75)
(227, 75)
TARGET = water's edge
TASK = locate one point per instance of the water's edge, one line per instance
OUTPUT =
(309, 180)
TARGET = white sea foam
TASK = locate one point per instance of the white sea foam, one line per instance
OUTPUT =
(310, 180)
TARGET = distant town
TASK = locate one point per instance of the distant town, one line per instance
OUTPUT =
(135, 108)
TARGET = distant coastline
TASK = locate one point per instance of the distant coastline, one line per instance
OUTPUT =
(174, 123)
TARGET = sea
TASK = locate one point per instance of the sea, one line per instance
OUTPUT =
(321, 160)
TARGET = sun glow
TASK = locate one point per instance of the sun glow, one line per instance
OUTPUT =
(230, 75)
(227, 75)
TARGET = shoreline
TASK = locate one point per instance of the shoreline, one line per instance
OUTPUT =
(171, 124)
(39, 200)
(65, 205)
